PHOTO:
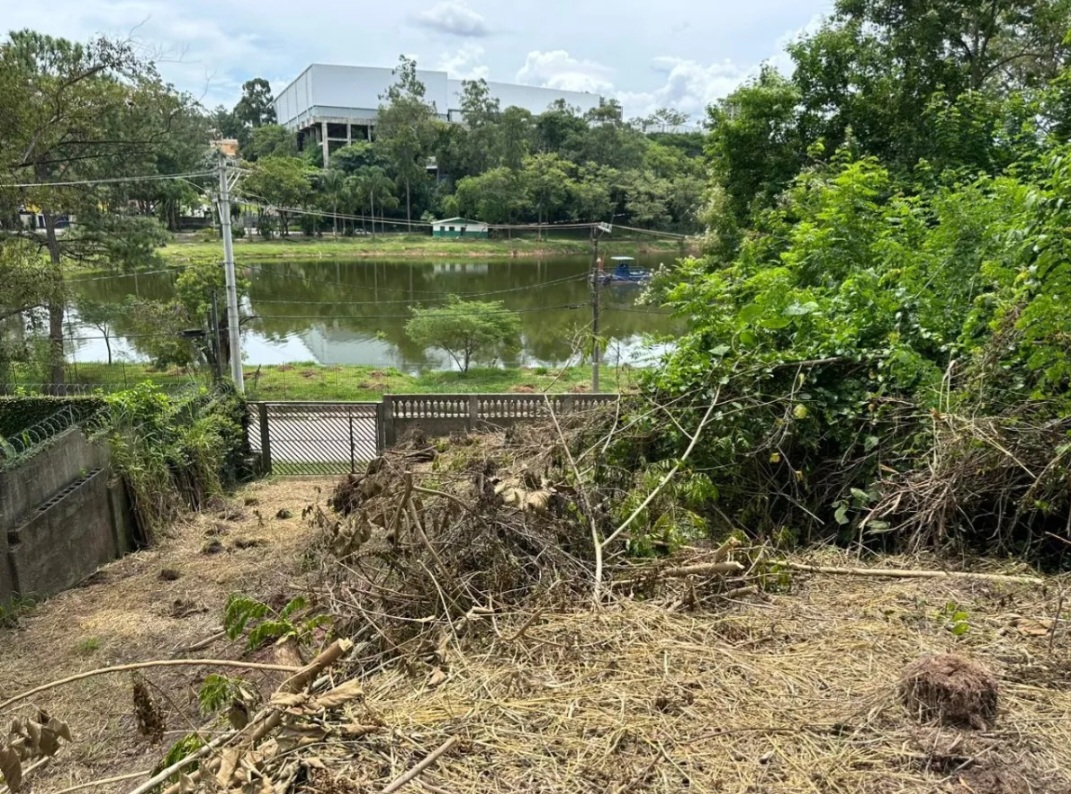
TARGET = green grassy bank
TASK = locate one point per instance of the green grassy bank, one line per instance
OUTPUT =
(310, 381)
(407, 247)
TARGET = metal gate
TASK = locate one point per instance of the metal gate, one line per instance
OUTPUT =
(315, 438)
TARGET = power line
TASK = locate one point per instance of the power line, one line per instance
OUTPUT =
(108, 181)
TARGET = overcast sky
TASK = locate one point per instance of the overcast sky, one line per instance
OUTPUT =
(646, 53)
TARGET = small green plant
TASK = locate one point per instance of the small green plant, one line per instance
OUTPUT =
(955, 619)
(10, 612)
(261, 623)
(183, 748)
(88, 646)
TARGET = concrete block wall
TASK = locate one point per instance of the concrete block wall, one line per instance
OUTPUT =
(60, 518)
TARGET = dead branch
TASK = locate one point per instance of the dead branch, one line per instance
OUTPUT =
(430, 759)
(596, 545)
(669, 475)
(893, 573)
(143, 665)
(104, 781)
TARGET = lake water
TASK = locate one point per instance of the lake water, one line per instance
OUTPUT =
(355, 313)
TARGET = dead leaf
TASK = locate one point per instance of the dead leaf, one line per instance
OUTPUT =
(186, 783)
(1031, 627)
(228, 765)
(437, 677)
(313, 762)
(11, 768)
(288, 700)
(340, 695)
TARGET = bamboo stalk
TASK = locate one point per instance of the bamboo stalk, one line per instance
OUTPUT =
(894, 573)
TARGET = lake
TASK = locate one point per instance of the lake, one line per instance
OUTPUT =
(355, 313)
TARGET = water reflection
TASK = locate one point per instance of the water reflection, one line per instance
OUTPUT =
(355, 313)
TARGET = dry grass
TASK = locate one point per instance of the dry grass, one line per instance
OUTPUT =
(149, 605)
(792, 692)
(795, 690)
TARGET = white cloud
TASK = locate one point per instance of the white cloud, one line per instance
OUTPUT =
(558, 69)
(453, 17)
(689, 86)
(464, 64)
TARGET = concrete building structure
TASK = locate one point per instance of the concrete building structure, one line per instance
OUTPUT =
(458, 227)
(332, 106)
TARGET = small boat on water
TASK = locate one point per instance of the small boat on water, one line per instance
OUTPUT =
(624, 272)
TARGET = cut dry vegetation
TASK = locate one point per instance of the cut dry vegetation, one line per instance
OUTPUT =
(464, 651)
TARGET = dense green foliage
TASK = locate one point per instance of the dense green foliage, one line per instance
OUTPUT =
(471, 332)
(878, 313)
(174, 452)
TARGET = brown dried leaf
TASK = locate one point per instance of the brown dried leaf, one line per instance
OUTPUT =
(186, 783)
(11, 768)
(60, 728)
(228, 765)
(1030, 627)
(289, 700)
(340, 695)
(437, 677)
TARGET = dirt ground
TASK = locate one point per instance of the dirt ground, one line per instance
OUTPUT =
(792, 690)
(153, 604)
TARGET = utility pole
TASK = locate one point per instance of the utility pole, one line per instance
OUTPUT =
(596, 283)
(217, 344)
(233, 328)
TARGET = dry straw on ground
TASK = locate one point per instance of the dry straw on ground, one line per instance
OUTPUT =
(482, 672)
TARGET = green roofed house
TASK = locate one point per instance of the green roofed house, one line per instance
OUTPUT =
(459, 227)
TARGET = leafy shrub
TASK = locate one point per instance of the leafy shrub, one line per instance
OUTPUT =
(174, 452)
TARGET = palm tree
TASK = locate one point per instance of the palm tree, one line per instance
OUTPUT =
(332, 182)
(379, 188)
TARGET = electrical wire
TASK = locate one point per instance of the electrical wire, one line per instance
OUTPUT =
(108, 181)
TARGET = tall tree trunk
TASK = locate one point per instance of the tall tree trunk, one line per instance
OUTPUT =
(372, 204)
(107, 345)
(408, 210)
(334, 220)
(56, 306)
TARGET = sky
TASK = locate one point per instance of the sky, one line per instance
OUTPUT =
(647, 54)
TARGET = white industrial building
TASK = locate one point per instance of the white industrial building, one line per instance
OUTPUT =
(332, 106)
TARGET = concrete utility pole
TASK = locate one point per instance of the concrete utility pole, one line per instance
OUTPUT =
(233, 327)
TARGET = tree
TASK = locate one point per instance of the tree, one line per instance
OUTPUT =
(354, 156)
(755, 147)
(271, 140)
(79, 112)
(481, 114)
(591, 192)
(518, 132)
(283, 183)
(102, 315)
(255, 108)
(494, 196)
(546, 183)
(374, 183)
(332, 183)
(405, 129)
(469, 331)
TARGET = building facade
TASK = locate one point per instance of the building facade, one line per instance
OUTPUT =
(458, 227)
(332, 106)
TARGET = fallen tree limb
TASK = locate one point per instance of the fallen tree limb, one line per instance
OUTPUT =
(262, 724)
(894, 573)
(409, 774)
(103, 782)
(698, 569)
(122, 668)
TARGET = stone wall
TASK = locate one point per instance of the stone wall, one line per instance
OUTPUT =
(60, 518)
